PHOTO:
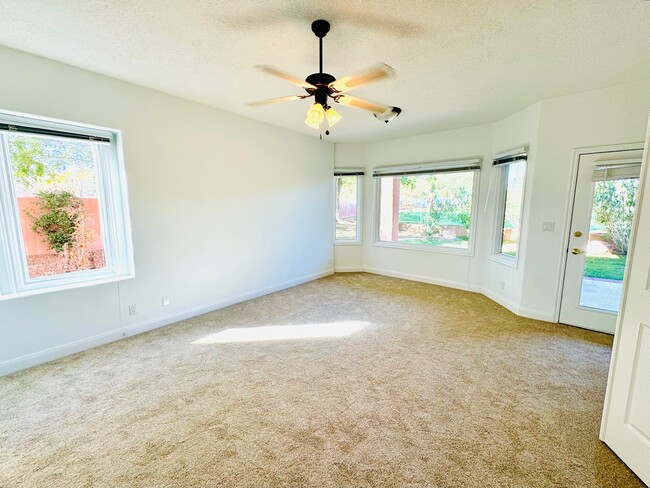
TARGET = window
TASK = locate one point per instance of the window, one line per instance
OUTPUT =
(347, 185)
(428, 206)
(511, 169)
(64, 217)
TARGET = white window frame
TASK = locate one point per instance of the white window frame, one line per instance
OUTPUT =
(439, 167)
(500, 206)
(342, 172)
(114, 214)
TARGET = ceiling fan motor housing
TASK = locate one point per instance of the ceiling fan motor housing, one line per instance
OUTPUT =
(320, 79)
(320, 95)
(320, 28)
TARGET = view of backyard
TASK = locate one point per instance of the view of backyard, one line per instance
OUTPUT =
(346, 207)
(55, 183)
(346, 228)
(429, 209)
(513, 186)
(411, 220)
(607, 246)
(609, 268)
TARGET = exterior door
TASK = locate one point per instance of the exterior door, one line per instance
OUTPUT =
(603, 209)
(626, 417)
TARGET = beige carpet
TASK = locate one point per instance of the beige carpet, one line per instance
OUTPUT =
(441, 388)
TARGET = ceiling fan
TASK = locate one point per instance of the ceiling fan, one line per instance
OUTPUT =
(325, 88)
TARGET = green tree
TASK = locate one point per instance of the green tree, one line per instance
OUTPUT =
(614, 209)
(451, 202)
(61, 215)
(42, 163)
(27, 158)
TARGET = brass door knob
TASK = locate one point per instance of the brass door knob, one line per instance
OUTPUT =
(575, 250)
(577, 233)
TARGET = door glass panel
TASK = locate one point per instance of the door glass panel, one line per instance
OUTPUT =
(609, 235)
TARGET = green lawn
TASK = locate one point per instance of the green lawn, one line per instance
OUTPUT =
(605, 267)
(410, 217)
(406, 217)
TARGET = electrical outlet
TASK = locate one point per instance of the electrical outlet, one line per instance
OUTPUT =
(133, 309)
(503, 285)
(165, 300)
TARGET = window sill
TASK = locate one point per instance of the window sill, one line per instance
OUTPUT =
(511, 262)
(64, 287)
(355, 242)
(425, 248)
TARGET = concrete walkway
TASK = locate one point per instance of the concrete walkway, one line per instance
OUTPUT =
(601, 294)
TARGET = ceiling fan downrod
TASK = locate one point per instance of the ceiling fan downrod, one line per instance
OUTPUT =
(320, 28)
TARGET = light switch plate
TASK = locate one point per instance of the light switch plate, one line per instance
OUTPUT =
(548, 226)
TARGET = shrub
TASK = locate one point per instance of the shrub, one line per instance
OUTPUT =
(614, 209)
(62, 225)
(59, 218)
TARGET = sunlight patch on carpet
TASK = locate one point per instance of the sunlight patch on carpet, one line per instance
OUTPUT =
(284, 332)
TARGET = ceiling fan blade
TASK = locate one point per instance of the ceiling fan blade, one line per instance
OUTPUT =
(375, 73)
(285, 76)
(356, 102)
(270, 101)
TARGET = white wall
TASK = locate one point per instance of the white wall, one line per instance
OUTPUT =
(499, 281)
(223, 208)
(615, 115)
(552, 129)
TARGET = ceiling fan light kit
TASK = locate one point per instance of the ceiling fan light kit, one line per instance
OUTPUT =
(332, 116)
(389, 114)
(315, 115)
(325, 87)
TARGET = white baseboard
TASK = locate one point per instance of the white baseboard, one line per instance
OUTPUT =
(421, 278)
(537, 315)
(504, 302)
(57, 352)
(349, 269)
(501, 300)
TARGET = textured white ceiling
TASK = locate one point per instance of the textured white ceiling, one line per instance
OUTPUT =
(459, 62)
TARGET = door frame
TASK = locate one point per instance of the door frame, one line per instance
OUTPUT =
(566, 230)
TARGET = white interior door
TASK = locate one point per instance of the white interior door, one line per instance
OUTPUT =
(626, 417)
(603, 209)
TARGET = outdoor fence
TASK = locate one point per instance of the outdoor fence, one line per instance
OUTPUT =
(34, 243)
